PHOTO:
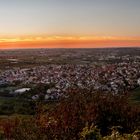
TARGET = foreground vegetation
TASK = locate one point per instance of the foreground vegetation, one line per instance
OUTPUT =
(135, 96)
(84, 115)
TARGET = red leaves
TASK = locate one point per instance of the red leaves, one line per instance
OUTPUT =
(69, 117)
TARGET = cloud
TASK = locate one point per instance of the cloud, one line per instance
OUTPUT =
(67, 41)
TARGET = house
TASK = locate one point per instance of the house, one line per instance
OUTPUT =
(138, 81)
(22, 90)
(35, 97)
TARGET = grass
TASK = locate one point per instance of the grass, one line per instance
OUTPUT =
(135, 97)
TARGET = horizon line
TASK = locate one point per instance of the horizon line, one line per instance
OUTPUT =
(37, 48)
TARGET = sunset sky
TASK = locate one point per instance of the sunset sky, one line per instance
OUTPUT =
(69, 23)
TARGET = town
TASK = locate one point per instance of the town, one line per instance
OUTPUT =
(110, 73)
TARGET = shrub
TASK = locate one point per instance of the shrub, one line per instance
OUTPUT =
(75, 118)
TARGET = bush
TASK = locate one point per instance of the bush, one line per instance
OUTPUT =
(75, 118)
(102, 110)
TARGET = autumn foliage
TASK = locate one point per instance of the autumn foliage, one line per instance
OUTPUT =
(69, 117)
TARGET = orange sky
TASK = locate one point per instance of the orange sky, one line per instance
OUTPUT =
(67, 41)
(69, 23)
